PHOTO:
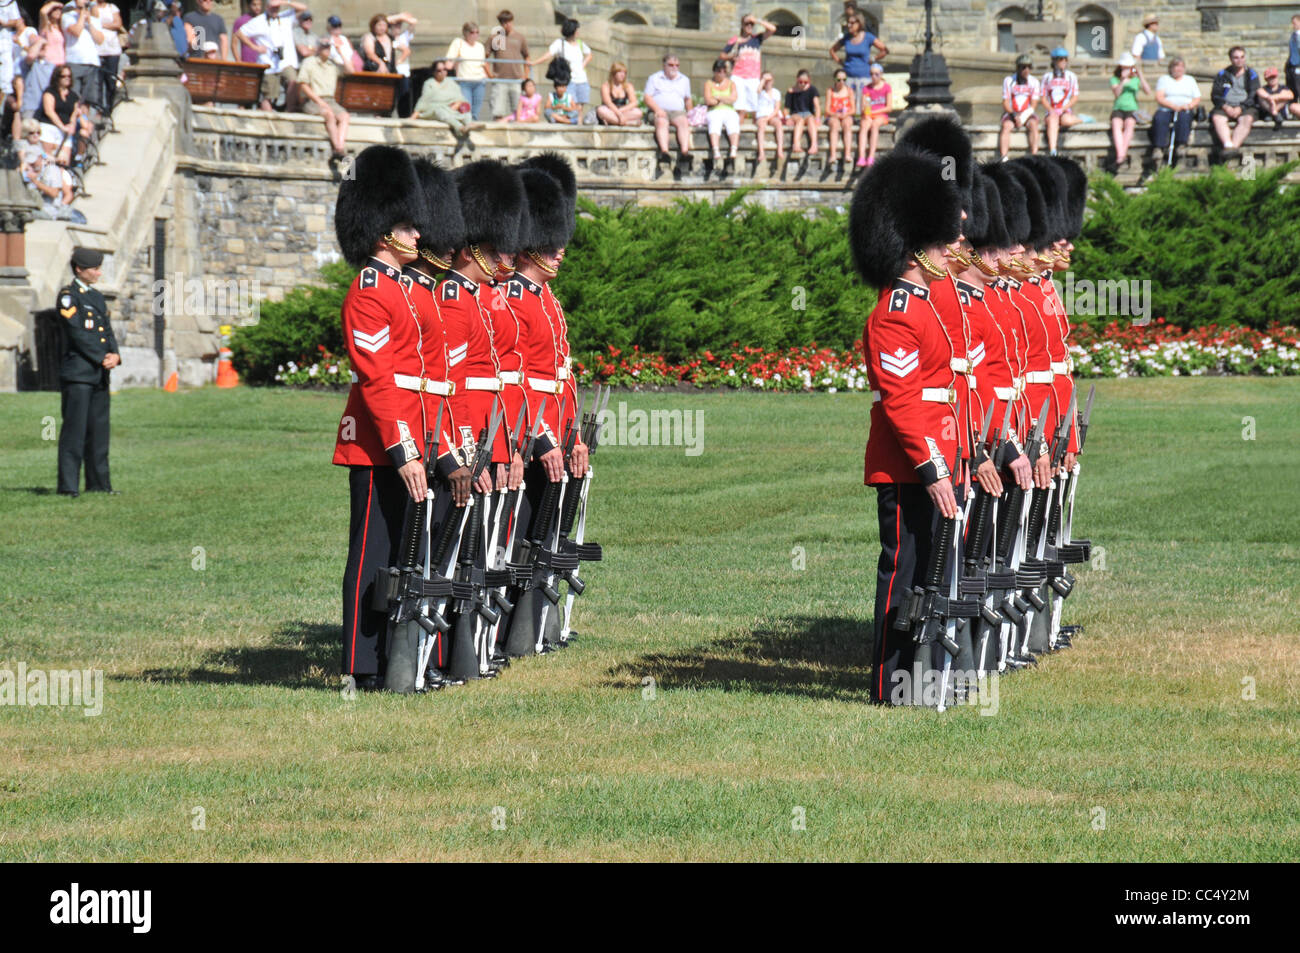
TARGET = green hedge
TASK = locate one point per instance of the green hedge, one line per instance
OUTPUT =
(675, 281)
(1216, 248)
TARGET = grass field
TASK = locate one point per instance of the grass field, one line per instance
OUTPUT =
(1175, 715)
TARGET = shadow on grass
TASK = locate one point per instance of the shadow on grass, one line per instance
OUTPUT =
(795, 655)
(32, 490)
(300, 655)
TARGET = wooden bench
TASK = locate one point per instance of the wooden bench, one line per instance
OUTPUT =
(373, 93)
(221, 81)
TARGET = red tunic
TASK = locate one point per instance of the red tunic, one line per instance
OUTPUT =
(987, 356)
(564, 362)
(505, 327)
(1038, 361)
(541, 338)
(423, 294)
(471, 361)
(907, 351)
(946, 301)
(384, 425)
(1058, 332)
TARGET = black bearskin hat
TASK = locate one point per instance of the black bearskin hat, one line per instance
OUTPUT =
(1051, 179)
(558, 168)
(1076, 194)
(442, 228)
(1035, 207)
(381, 192)
(905, 202)
(549, 219)
(995, 231)
(977, 213)
(1014, 202)
(946, 138)
(491, 204)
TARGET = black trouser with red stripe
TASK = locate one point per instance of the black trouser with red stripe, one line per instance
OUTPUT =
(908, 519)
(378, 510)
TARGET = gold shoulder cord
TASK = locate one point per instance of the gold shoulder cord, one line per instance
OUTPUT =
(957, 253)
(434, 260)
(982, 265)
(927, 265)
(482, 262)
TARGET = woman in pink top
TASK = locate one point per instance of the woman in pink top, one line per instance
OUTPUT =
(246, 53)
(875, 113)
(51, 27)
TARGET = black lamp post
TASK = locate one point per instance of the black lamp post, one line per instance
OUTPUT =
(930, 86)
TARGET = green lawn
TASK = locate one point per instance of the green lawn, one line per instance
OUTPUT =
(222, 686)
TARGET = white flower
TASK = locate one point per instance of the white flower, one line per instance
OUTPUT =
(832, 390)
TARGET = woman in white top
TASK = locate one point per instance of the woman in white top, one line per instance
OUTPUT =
(578, 55)
(472, 69)
(769, 113)
(400, 32)
(110, 51)
(1177, 96)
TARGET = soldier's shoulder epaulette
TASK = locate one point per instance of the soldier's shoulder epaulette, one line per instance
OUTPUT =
(450, 291)
(369, 278)
(514, 289)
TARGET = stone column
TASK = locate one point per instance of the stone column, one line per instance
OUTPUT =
(18, 206)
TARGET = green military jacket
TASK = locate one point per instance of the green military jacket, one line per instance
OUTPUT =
(87, 333)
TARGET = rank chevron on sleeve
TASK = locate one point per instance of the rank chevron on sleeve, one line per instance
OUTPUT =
(900, 363)
(370, 342)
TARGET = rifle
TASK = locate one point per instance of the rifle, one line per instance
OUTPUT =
(1049, 572)
(1073, 550)
(404, 590)
(550, 559)
(586, 552)
(1010, 553)
(471, 583)
(977, 581)
(520, 573)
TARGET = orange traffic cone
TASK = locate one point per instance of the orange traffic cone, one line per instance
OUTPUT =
(227, 376)
(170, 386)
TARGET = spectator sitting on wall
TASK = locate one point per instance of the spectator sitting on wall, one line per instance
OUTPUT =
(743, 55)
(668, 97)
(769, 112)
(720, 95)
(29, 144)
(1272, 99)
(530, 104)
(1293, 62)
(578, 55)
(318, 78)
(1177, 96)
(508, 44)
(875, 115)
(618, 99)
(207, 27)
(441, 99)
(804, 104)
(54, 185)
(1019, 97)
(1124, 86)
(839, 119)
(1060, 92)
(63, 116)
(1232, 94)
(560, 106)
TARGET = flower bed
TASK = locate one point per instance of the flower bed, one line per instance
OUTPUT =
(1156, 350)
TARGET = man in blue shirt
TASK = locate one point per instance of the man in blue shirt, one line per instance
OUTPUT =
(1293, 58)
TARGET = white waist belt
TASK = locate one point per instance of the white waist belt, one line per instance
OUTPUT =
(1061, 367)
(545, 386)
(424, 385)
(936, 395)
(1005, 393)
(483, 383)
(511, 377)
(1039, 377)
(961, 365)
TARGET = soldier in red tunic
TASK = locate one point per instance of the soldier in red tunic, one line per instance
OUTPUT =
(381, 437)
(904, 211)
